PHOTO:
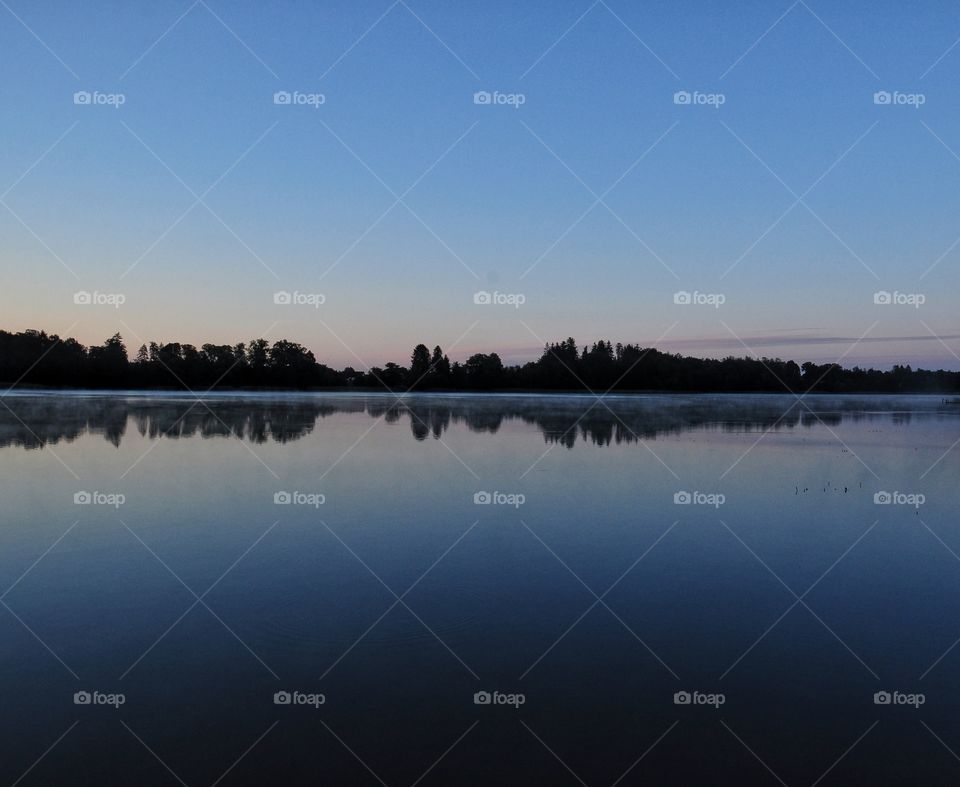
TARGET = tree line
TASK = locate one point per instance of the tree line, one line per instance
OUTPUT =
(40, 359)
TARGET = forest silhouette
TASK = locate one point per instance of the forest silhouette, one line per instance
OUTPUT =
(35, 358)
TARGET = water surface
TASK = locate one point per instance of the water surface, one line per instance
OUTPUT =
(583, 585)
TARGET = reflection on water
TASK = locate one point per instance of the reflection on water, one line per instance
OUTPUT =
(610, 585)
(32, 420)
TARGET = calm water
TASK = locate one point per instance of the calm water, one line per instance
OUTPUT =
(783, 590)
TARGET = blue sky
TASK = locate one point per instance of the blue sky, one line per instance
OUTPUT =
(597, 199)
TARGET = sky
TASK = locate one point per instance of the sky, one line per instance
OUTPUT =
(759, 178)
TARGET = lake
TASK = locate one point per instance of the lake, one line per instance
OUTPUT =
(479, 589)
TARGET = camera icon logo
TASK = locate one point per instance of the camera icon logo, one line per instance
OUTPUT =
(282, 698)
(82, 498)
(682, 498)
(882, 298)
(281, 97)
(82, 298)
(882, 698)
(82, 698)
(882, 498)
(482, 698)
(682, 298)
(882, 97)
(482, 298)
(482, 97)
(681, 97)
(281, 498)
(81, 97)
(482, 498)
(682, 698)
(282, 298)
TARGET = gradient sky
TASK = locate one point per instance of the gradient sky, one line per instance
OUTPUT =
(300, 198)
